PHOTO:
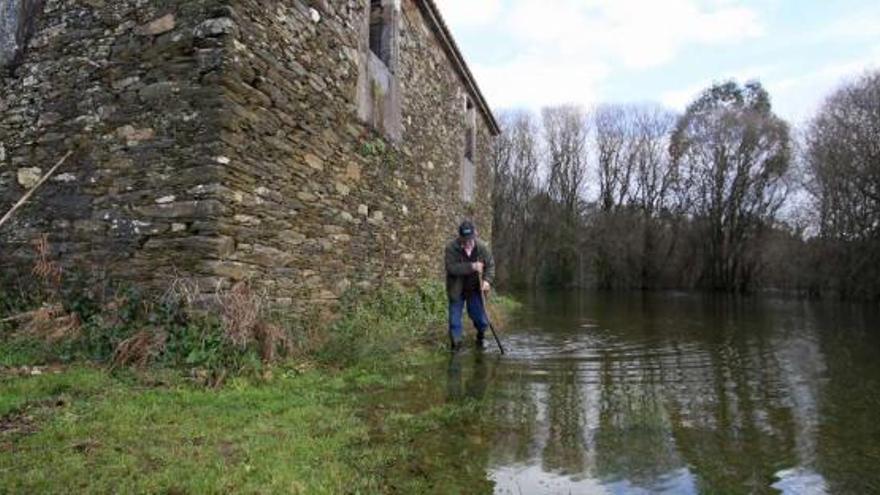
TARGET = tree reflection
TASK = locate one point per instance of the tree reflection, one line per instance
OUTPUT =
(633, 440)
(564, 450)
(848, 447)
(737, 396)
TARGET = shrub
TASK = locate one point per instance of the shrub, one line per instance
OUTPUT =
(232, 332)
(384, 323)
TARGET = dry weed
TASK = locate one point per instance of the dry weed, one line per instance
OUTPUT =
(140, 349)
(496, 316)
(51, 324)
(271, 338)
(183, 291)
(240, 309)
(243, 312)
(44, 268)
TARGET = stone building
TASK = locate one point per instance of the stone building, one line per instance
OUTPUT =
(312, 145)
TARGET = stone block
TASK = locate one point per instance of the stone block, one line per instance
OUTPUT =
(219, 246)
(134, 136)
(314, 162)
(28, 177)
(183, 209)
(215, 27)
(158, 26)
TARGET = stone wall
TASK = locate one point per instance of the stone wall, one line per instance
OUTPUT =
(220, 140)
(130, 86)
(17, 18)
(319, 200)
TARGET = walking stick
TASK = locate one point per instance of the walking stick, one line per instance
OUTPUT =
(486, 312)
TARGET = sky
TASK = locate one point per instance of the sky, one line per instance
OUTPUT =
(533, 53)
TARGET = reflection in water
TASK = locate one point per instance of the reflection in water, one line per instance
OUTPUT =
(683, 394)
(475, 386)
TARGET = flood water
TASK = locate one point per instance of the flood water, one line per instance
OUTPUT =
(669, 393)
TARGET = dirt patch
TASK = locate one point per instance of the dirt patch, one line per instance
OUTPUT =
(31, 370)
(229, 452)
(24, 421)
(87, 446)
(17, 424)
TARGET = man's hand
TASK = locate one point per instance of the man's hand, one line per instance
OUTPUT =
(486, 286)
(478, 266)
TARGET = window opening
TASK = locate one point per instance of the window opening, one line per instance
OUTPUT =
(380, 39)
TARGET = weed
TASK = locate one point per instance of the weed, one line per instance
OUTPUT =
(243, 313)
(232, 332)
(374, 147)
(140, 349)
(46, 269)
(379, 325)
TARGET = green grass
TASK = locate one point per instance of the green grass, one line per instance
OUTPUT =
(19, 392)
(505, 303)
(384, 325)
(338, 425)
(297, 433)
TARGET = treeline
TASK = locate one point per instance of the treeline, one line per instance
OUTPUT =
(725, 196)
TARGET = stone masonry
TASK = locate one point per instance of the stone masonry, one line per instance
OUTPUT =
(309, 145)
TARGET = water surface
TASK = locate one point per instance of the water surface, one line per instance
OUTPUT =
(669, 393)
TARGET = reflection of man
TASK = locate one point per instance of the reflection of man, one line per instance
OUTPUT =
(466, 260)
(475, 387)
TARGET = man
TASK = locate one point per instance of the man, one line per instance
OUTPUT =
(467, 259)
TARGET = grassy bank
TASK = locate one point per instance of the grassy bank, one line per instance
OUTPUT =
(302, 433)
(314, 421)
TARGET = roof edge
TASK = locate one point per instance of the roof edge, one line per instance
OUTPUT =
(432, 13)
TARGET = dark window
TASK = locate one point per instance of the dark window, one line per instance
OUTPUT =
(378, 95)
(380, 34)
(470, 128)
(468, 168)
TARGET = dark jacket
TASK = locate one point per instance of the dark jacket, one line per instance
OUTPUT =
(458, 269)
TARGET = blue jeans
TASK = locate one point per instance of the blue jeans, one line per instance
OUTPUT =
(475, 311)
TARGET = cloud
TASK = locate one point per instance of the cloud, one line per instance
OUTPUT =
(469, 13)
(799, 97)
(796, 98)
(532, 80)
(635, 33)
(862, 25)
(564, 50)
(532, 53)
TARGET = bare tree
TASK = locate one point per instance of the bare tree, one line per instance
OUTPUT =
(732, 153)
(693, 200)
(615, 150)
(516, 160)
(843, 161)
(632, 153)
(843, 153)
(635, 180)
(655, 177)
(565, 137)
